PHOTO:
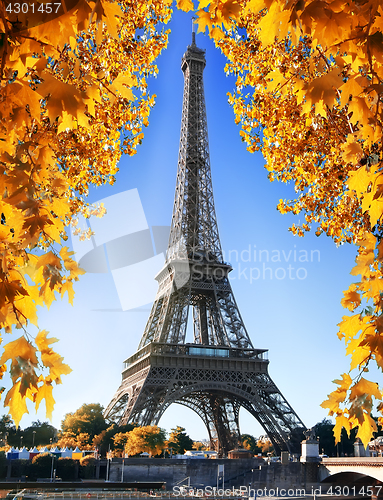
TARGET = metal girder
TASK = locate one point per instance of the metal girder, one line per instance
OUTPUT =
(220, 372)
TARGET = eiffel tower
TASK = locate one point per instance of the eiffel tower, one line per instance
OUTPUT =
(221, 371)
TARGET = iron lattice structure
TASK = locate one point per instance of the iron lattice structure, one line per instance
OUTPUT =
(221, 371)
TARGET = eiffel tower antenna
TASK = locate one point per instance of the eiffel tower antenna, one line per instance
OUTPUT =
(220, 371)
(193, 30)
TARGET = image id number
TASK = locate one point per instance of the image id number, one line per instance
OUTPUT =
(31, 8)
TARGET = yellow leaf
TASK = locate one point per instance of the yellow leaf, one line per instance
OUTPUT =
(66, 122)
(111, 11)
(43, 342)
(217, 34)
(255, 6)
(363, 387)
(54, 362)
(351, 87)
(45, 392)
(363, 264)
(48, 259)
(359, 354)
(121, 82)
(68, 287)
(203, 20)
(351, 299)
(230, 10)
(185, 5)
(375, 211)
(340, 422)
(351, 325)
(16, 403)
(366, 429)
(19, 348)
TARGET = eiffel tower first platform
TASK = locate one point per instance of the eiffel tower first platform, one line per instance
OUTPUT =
(221, 371)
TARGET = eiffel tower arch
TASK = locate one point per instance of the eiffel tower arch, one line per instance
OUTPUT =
(220, 371)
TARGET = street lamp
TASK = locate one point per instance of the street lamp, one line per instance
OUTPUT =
(21, 441)
(53, 457)
(33, 438)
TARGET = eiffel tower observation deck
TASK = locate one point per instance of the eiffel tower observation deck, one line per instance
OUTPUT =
(221, 371)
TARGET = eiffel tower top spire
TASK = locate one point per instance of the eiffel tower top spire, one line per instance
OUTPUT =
(195, 275)
(194, 226)
(193, 30)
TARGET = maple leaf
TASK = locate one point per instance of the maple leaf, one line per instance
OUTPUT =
(19, 348)
(351, 299)
(340, 422)
(43, 343)
(350, 88)
(121, 82)
(54, 362)
(185, 5)
(45, 392)
(351, 325)
(364, 262)
(366, 429)
(16, 403)
(112, 10)
(203, 20)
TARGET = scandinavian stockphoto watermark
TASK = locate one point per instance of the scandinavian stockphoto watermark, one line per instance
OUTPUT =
(241, 491)
(124, 245)
(254, 264)
(249, 492)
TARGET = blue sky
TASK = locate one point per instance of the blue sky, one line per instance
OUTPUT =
(295, 317)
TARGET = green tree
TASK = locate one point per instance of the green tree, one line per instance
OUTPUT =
(66, 468)
(180, 441)
(249, 442)
(8, 431)
(42, 465)
(105, 440)
(86, 420)
(87, 467)
(325, 432)
(39, 433)
(3, 464)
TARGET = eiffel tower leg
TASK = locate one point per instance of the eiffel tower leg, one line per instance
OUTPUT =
(219, 414)
(225, 413)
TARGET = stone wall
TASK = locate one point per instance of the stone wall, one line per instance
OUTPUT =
(203, 472)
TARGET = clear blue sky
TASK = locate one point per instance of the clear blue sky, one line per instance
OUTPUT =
(294, 318)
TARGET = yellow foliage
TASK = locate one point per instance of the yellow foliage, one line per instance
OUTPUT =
(310, 77)
(73, 98)
(147, 439)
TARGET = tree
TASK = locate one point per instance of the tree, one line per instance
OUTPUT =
(8, 431)
(265, 445)
(87, 467)
(327, 445)
(199, 446)
(309, 95)
(67, 440)
(105, 440)
(66, 468)
(87, 422)
(42, 465)
(147, 439)
(39, 433)
(179, 441)
(249, 442)
(73, 98)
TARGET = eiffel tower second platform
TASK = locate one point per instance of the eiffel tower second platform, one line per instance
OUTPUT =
(221, 371)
